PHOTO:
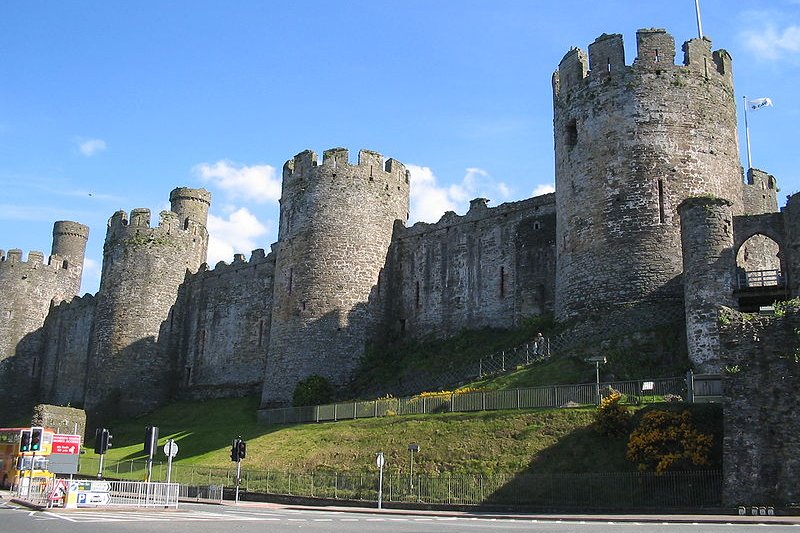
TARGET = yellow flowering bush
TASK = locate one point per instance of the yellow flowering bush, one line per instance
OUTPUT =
(666, 440)
(612, 418)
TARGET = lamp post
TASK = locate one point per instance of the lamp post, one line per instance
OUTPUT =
(413, 448)
(597, 360)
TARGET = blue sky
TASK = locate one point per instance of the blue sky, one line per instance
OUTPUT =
(109, 105)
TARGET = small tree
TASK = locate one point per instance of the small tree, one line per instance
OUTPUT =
(612, 418)
(667, 440)
(314, 390)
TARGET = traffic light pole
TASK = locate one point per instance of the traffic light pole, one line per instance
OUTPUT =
(238, 477)
(100, 470)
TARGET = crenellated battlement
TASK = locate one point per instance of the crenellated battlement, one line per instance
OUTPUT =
(35, 260)
(77, 302)
(479, 211)
(371, 164)
(138, 230)
(257, 259)
(655, 51)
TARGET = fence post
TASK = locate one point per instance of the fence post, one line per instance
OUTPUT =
(336, 485)
(376, 409)
(518, 399)
(480, 368)
(527, 354)
(334, 412)
(503, 360)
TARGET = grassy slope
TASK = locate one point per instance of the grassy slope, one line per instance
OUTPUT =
(540, 441)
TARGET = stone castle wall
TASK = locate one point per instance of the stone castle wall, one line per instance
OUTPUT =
(28, 289)
(631, 143)
(489, 268)
(226, 316)
(762, 429)
(67, 334)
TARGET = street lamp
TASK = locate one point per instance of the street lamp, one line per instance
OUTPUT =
(597, 359)
(413, 448)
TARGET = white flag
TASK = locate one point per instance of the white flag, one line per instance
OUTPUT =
(758, 103)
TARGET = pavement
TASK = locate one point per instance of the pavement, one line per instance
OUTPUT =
(654, 518)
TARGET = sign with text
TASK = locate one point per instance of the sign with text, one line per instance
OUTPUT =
(66, 444)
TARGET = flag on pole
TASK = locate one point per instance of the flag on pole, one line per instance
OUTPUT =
(758, 103)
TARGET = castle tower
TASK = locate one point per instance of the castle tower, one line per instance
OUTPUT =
(335, 229)
(708, 270)
(129, 367)
(28, 288)
(631, 143)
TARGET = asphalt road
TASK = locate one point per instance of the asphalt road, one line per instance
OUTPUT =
(262, 518)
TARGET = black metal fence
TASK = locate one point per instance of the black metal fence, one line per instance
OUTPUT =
(527, 398)
(591, 491)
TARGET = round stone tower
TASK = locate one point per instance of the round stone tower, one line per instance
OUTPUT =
(708, 270)
(130, 370)
(631, 143)
(335, 229)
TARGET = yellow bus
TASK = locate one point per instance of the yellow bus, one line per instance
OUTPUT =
(21, 449)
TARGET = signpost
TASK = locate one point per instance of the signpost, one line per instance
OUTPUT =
(380, 461)
(170, 450)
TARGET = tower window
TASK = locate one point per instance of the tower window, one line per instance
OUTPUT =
(572, 133)
(416, 294)
(661, 213)
(502, 282)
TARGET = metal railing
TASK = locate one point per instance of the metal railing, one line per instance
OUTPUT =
(759, 278)
(594, 490)
(527, 398)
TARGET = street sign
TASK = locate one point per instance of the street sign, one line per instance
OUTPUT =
(171, 448)
(66, 444)
(381, 461)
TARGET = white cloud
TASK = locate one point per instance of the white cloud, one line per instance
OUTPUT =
(543, 188)
(90, 281)
(235, 234)
(258, 183)
(430, 200)
(768, 38)
(90, 147)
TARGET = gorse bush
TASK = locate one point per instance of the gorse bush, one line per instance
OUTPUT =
(612, 419)
(666, 441)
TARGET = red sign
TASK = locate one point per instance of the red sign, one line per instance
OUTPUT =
(66, 444)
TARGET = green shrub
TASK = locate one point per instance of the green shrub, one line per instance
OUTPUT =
(314, 390)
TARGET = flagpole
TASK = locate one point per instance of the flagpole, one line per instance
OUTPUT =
(699, 23)
(747, 134)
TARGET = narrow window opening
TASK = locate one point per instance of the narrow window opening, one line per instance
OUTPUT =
(536, 225)
(657, 56)
(502, 282)
(572, 133)
(291, 280)
(608, 64)
(65, 264)
(746, 254)
(260, 333)
(186, 223)
(416, 294)
(201, 348)
(661, 214)
(188, 376)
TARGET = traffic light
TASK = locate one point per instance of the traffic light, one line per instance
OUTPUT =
(242, 451)
(98, 440)
(235, 450)
(25, 440)
(150, 440)
(102, 440)
(36, 438)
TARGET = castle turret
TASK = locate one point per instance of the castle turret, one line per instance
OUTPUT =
(129, 367)
(708, 269)
(632, 142)
(335, 229)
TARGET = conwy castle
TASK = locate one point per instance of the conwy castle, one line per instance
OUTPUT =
(653, 217)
